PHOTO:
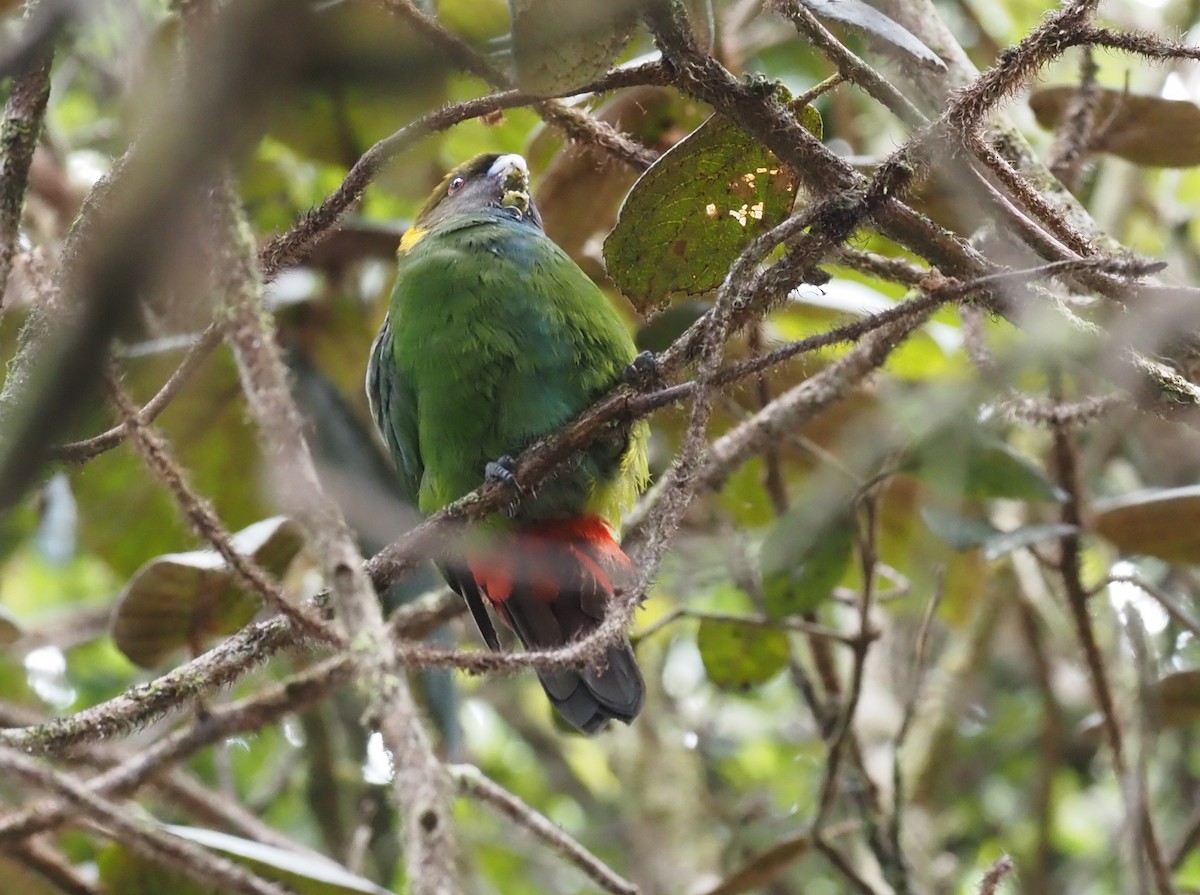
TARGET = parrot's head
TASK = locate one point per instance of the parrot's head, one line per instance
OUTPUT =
(486, 182)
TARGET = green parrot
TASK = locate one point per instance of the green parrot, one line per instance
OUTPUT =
(493, 338)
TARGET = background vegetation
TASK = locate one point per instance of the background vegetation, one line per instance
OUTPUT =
(920, 606)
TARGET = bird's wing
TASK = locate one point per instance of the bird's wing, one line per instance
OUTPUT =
(394, 407)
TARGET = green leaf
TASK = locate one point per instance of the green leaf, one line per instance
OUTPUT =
(801, 564)
(739, 655)
(957, 531)
(693, 212)
(964, 533)
(185, 599)
(1162, 522)
(562, 44)
(972, 463)
(1006, 542)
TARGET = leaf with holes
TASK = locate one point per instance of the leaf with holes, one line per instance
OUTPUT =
(186, 599)
(693, 211)
(740, 655)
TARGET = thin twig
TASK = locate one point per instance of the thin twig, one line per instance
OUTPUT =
(850, 66)
(1070, 567)
(1178, 613)
(472, 781)
(253, 713)
(997, 873)
(176, 690)
(195, 862)
(1072, 142)
(920, 666)
(292, 247)
(44, 860)
(203, 519)
(576, 124)
(90, 448)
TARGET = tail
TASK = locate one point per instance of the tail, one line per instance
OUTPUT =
(552, 584)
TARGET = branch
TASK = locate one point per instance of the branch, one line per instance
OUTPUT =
(195, 862)
(176, 690)
(1066, 459)
(850, 66)
(48, 863)
(90, 448)
(141, 236)
(1149, 45)
(420, 785)
(203, 519)
(292, 247)
(19, 132)
(293, 695)
(997, 873)
(577, 125)
(472, 781)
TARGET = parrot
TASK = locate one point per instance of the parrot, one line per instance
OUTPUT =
(493, 338)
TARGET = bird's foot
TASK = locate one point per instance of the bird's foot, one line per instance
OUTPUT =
(503, 471)
(642, 371)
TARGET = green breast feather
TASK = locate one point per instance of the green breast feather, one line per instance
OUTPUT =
(495, 337)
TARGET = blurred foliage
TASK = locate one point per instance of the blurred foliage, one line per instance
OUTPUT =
(713, 787)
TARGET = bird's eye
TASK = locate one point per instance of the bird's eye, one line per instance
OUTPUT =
(455, 185)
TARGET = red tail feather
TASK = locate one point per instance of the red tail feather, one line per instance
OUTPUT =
(552, 584)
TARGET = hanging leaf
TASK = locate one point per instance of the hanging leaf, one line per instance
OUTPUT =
(1005, 542)
(972, 463)
(563, 44)
(872, 22)
(1163, 522)
(1146, 130)
(964, 533)
(693, 211)
(304, 873)
(739, 655)
(186, 599)
(293, 867)
(801, 564)
(1175, 699)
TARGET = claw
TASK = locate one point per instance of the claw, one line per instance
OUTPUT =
(503, 470)
(642, 371)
